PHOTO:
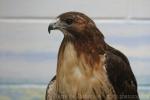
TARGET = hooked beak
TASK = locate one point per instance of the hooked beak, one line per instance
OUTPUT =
(53, 26)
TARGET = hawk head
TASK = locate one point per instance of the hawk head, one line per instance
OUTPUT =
(74, 24)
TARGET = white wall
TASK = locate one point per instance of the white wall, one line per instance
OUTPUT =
(28, 52)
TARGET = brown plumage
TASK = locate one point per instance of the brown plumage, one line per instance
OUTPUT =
(88, 68)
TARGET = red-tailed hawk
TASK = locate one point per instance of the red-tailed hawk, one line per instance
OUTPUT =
(88, 68)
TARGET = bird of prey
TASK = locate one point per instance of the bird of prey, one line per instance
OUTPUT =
(87, 67)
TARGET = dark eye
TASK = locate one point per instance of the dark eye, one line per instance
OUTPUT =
(69, 21)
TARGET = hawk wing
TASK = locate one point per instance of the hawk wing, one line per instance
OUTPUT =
(50, 91)
(120, 74)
